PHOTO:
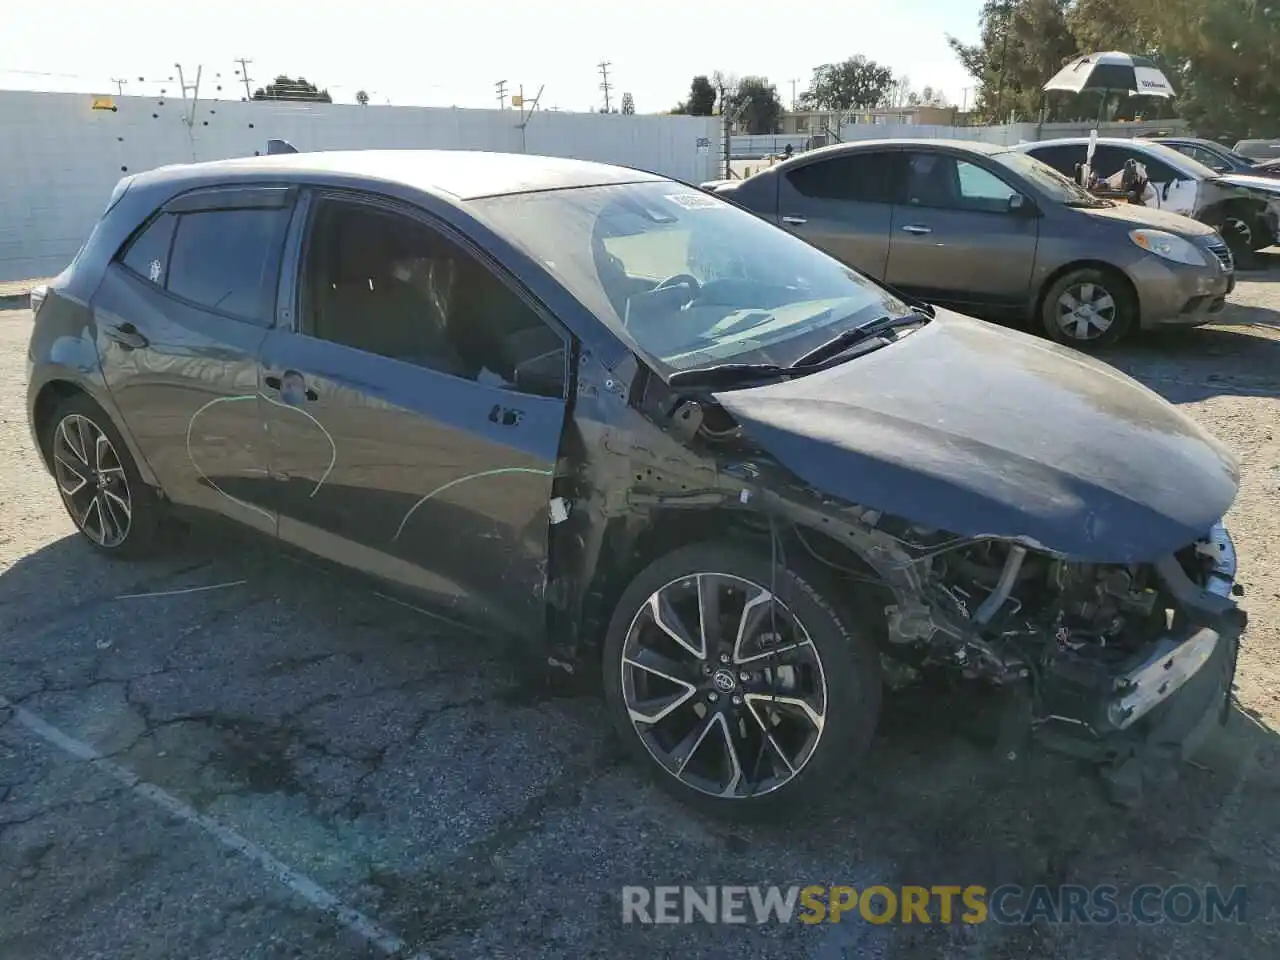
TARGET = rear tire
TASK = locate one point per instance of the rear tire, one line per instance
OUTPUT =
(99, 483)
(764, 706)
(1088, 309)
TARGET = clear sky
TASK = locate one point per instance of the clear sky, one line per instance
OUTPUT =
(452, 53)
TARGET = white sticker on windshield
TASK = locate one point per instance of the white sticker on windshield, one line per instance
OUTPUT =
(693, 201)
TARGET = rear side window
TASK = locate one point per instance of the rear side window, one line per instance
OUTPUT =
(864, 177)
(1061, 158)
(148, 255)
(229, 261)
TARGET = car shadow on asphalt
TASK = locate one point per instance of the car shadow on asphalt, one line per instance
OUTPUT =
(268, 685)
(1187, 366)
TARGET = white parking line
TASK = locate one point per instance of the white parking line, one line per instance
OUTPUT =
(308, 889)
(178, 593)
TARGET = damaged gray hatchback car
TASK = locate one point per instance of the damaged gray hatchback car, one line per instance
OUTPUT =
(652, 436)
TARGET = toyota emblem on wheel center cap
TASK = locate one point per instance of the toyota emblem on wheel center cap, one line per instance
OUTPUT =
(723, 680)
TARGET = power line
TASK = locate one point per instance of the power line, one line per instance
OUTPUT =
(244, 74)
(605, 85)
(501, 87)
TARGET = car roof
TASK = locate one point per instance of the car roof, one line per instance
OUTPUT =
(896, 143)
(1073, 141)
(462, 174)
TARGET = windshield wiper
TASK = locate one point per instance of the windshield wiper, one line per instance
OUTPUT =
(865, 331)
(724, 374)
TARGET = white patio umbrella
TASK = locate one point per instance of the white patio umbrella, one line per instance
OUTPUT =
(1112, 71)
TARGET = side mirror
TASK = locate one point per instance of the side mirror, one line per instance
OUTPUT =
(1018, 204)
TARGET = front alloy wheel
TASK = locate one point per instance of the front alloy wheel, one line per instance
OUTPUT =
(723, 685)
(91, 478)
(737, 682)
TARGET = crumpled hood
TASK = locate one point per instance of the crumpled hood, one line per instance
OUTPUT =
(979, 430)
(1140, 216)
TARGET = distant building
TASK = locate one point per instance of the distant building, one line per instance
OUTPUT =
(815, 122)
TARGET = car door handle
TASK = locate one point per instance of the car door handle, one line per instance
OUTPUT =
(277, 383)
(795, 221)
(505, 416)
(917, 228)
(127, 335)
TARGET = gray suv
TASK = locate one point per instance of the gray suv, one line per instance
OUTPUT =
(990, 230)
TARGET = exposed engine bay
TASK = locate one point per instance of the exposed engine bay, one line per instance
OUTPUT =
(1081, 651)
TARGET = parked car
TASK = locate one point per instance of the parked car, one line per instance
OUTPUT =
(985, 229)
(1215, 156)
(1258, 149)
(1242, 208)
(653, 437)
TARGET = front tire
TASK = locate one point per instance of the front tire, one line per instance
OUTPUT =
(98, 481)
(741, 687)
(1088, 309)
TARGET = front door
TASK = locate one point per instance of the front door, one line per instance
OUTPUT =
(843, 205)
(958, 239)
(181, 314)
(415, 415)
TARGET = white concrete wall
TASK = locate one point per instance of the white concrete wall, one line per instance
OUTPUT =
(60, 158)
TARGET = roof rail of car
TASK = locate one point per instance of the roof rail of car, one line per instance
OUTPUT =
(280, 146)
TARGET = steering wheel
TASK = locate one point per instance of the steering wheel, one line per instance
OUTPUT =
(680, 279)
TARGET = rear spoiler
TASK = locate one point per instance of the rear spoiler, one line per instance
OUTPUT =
(280, 146)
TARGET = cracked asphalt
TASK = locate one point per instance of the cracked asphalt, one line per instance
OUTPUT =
(310, 735)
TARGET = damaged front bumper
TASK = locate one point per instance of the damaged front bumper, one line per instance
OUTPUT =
(1168, 697)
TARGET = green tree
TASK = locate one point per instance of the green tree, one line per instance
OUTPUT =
(362, 98)
(1022, 44)
(856, 82)
(628, 104)
(701, 101)
(284, 88)
(755, 105)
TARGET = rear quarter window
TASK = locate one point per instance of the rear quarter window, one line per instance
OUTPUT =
(147, 254)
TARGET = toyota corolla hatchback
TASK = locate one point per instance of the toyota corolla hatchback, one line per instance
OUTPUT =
(647, 434)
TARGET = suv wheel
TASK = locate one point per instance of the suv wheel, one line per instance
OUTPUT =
(1087, 308)
(737, 683)
(99, 482)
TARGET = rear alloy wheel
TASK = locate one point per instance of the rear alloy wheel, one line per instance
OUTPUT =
(98, 481)
(742, 688)
(1087, 309)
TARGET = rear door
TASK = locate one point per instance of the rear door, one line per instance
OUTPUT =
(415, 413)
(180, 317)
(957, 238)
(844, 205)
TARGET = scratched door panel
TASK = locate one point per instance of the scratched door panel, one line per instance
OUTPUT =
(188, 392)
(434, 482)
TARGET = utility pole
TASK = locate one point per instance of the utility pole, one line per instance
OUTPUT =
(524, 116)
(605, 85)
(793, 94)
(194, 88)
(244, 75)
(119, 85)
(501, 87)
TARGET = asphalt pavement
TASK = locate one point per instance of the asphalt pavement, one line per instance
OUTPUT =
(231, 754)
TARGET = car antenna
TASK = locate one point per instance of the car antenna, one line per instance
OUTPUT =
(280, 146)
